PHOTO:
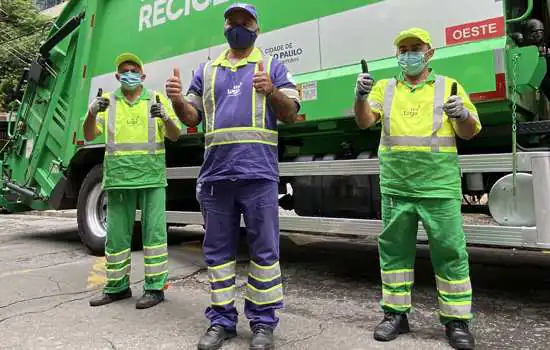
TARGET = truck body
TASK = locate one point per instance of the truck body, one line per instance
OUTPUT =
(329, 164)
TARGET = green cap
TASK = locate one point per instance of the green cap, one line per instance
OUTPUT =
(416, 33)
(125, 57)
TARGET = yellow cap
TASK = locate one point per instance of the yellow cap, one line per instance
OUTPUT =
(125, 57)
(417, 33)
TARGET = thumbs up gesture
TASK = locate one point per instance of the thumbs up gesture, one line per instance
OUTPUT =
(158, 111)
(174, 89)
(262, 82)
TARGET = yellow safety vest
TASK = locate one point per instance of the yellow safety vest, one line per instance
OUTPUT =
(417, 153)
(405, 121)
(129, 134)
(257, 132)
(134, 145)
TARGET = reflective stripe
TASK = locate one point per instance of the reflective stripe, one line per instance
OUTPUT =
(156, 269)
(209, 100)
(418, 141)
(115, 258)
(453, 287)
(264, 273)
(434, 141)
(257, 133)
(388, 103)
(238, 135)
(375, 105)
(291, 93)
(398, 276)
(439, 100)
(151, 147)
(195, 100)
(116, 274)
(264, 296)
(222, 296)
(221, 272)
(456, 309)
(398, 299)
(155, 250)
(112, 146)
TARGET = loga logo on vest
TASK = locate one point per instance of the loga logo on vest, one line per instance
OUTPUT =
(235, 91)
(411, 112)
(134, 120)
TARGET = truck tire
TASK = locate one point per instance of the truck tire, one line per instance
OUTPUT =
(92, 214)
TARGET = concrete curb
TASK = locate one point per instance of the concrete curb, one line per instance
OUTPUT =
(52, 213)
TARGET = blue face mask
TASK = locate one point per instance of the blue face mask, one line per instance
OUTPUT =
(130, 80)
(240, 37)
(412, 63)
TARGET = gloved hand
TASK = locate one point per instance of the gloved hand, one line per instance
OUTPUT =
(364, 85)
(99, 104)
(454, 107)
(158, 111)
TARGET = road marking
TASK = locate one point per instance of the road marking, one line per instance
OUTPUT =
(97, 274)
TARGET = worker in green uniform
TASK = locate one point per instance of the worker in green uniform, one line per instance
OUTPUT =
(134, 173)
(420, 181)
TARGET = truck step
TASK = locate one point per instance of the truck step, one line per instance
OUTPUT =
(540, 127)
(490, 235)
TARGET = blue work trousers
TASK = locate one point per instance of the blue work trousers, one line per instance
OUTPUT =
(222, 203)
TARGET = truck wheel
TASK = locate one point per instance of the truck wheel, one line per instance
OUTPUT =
(92, 212)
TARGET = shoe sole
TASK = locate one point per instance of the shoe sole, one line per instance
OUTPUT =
(143, 307)
(216, 347)
(393, 337)
(461, 346)
(110, 302)
(272, 347)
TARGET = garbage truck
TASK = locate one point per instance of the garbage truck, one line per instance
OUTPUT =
(329, 173)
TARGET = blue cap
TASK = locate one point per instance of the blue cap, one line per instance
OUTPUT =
(242, 6)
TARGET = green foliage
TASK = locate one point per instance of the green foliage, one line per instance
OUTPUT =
(22, 28)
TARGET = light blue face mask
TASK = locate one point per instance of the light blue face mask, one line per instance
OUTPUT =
(130, 80)
(412, 63)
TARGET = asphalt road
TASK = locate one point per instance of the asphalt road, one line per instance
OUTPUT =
(331, 289)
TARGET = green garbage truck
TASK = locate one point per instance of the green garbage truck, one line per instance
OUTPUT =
(497, 49)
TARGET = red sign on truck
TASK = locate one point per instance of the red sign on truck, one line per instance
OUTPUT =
(474, 31)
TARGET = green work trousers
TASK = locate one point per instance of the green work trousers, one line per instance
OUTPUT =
(121, 215)
(442, 220)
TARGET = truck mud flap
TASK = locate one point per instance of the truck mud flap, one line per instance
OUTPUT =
(58, 193)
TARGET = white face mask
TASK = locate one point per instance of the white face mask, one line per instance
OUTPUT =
(412, 63)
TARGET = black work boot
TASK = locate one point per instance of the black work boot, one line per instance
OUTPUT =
(262, 338)
(214, 337)
(107, 298)
(391, 326)
(459, 335)
(149, 299)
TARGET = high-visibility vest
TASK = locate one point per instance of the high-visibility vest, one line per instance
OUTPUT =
(256, 132)
(435, 135)
(136, 140)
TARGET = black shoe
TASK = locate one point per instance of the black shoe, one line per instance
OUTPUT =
(391, 326)
(262, 338)
(214, 337)
(107, 298)
(459, 335)
(150, 298)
